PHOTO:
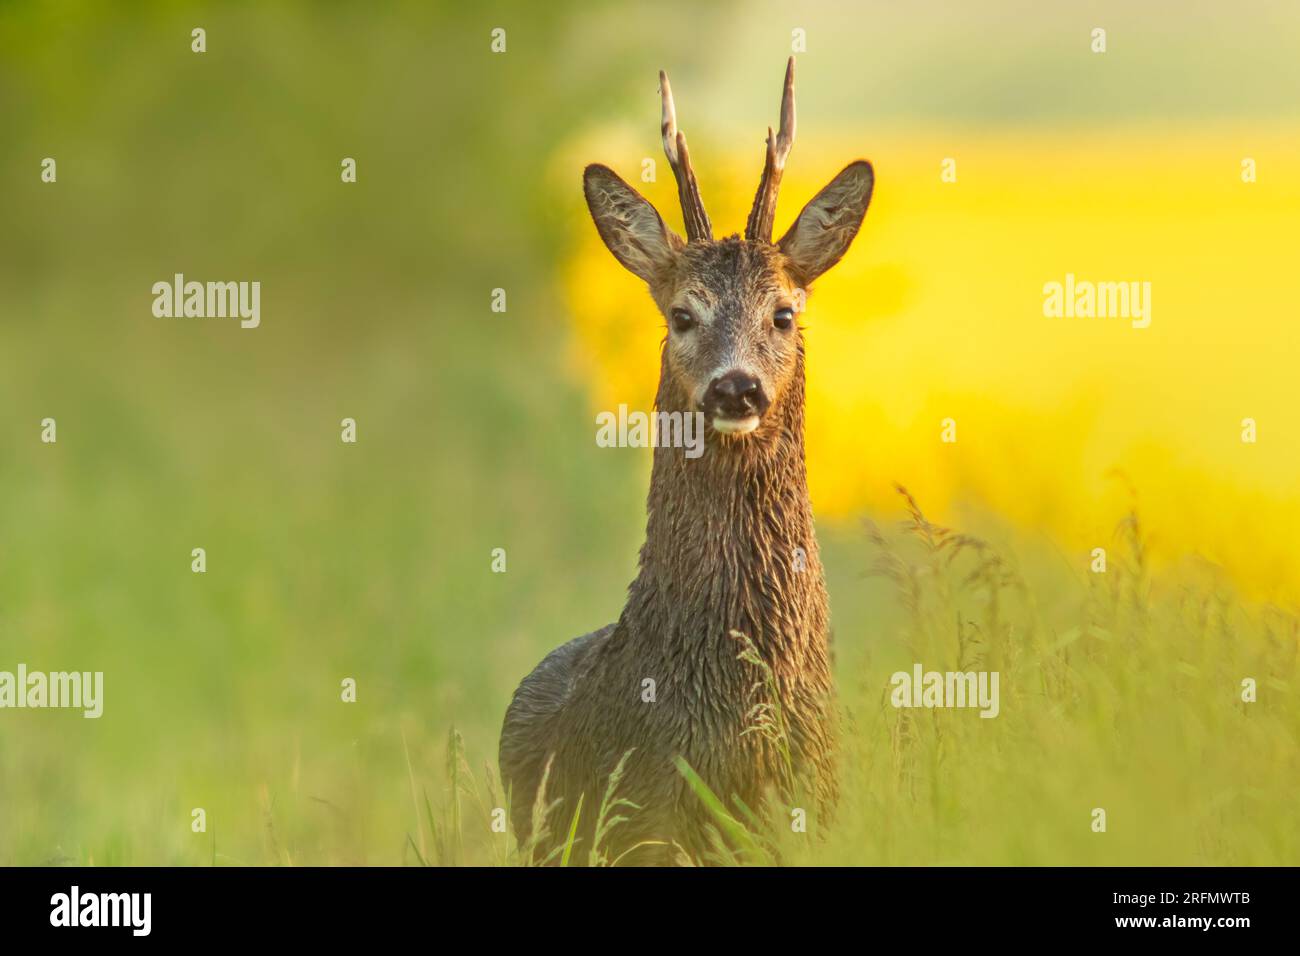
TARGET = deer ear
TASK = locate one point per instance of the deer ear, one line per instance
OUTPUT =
(827, 225)
(628, 224)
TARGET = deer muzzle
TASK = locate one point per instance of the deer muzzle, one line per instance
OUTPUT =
(734, 403)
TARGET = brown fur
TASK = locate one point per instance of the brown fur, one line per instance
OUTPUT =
(722, 535)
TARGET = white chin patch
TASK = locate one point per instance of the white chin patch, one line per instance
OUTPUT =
(735, 426)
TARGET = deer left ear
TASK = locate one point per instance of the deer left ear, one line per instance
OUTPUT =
(827, 225)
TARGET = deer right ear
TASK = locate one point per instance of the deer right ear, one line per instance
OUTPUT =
(628, 224)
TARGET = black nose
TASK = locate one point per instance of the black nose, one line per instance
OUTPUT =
(734, 395)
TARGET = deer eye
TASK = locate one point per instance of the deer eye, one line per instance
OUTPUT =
(784, 319)
(682, 320)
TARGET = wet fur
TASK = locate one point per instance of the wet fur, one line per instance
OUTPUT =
(719, 556)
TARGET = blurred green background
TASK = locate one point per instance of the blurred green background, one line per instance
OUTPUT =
(372, 560)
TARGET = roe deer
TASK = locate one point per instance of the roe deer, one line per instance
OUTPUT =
(729, 540)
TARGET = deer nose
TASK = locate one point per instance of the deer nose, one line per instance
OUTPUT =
(735, 395)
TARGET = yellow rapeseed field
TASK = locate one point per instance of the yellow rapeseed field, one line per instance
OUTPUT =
(938, 312)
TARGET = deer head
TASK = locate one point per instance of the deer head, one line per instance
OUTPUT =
(734, 344)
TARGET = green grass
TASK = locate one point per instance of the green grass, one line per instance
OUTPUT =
(1119, 692)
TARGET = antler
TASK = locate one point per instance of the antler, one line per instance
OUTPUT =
(761, 217)
(697, 220)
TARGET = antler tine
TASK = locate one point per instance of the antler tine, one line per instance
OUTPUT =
(679, 158)
(763, 214)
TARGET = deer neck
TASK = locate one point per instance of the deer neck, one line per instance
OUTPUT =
(729, 539)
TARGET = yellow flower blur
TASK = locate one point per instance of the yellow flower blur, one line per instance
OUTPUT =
(937, 313)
